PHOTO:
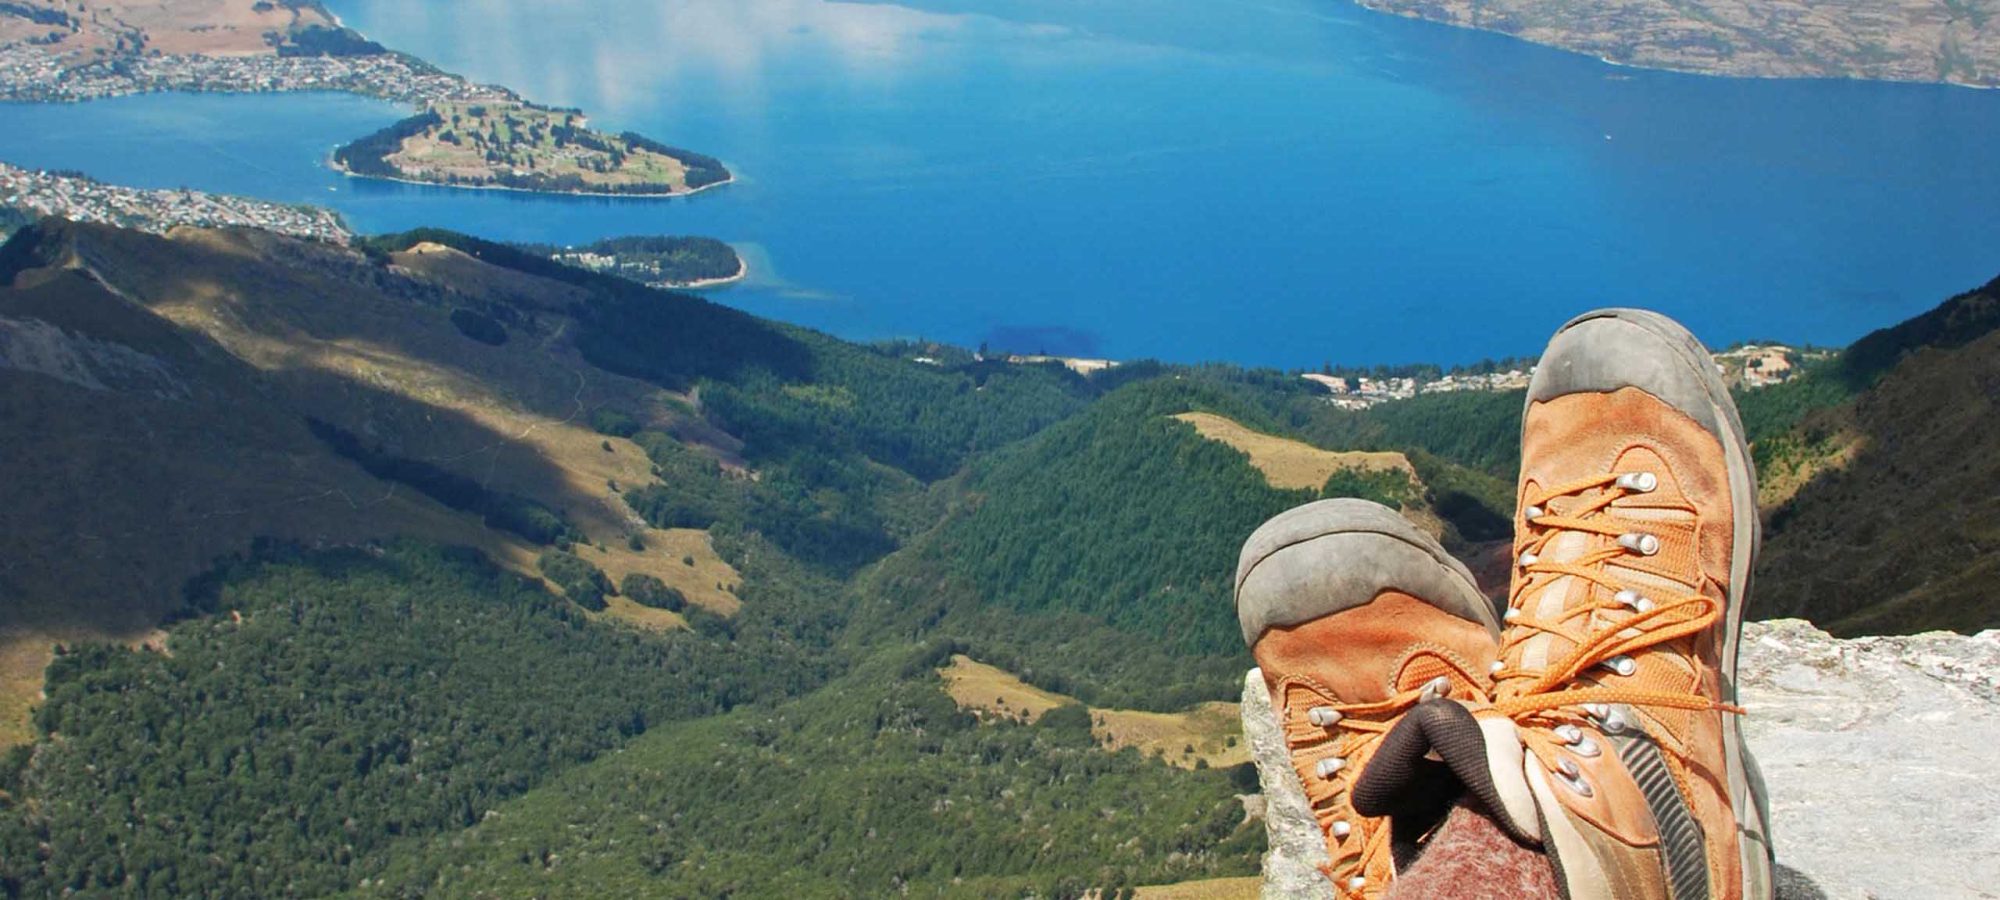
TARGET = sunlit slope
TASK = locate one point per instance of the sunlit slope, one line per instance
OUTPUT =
(1206, 734)
(1291, 464)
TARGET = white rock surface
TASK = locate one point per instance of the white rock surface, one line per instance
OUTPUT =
(1882, 757)
(1297, 850)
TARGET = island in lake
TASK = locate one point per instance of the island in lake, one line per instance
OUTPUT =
(521, 146)
(469, 135)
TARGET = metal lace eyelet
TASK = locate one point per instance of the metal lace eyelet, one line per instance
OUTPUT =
(1639, 482)
(1640, 542)
(1633, 599)
(1571, 776)
(1323, 716)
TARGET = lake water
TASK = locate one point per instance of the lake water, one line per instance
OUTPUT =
(1282, 182)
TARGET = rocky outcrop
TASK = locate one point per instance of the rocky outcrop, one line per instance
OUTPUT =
(1879, 752)
(1291, 865)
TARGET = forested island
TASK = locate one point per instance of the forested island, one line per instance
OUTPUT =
(524, 146)
(659, 261)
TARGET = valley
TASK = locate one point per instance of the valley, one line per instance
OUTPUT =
(956, 595)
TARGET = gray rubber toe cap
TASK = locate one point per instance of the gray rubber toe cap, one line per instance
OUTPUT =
(1331, 555)
(1608, 349)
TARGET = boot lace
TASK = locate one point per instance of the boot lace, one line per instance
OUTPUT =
(1330, 743)
(1603, 632)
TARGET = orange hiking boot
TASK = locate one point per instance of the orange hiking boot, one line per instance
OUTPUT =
(1355, 616)
(1635, 535)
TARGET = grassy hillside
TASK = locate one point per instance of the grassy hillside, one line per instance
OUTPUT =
(1202, 736)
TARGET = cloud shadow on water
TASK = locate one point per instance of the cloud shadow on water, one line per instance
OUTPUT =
(1054, 340)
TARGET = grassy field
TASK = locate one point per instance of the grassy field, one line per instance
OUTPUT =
(707, 581)
(1207, 733)
(1288, 464)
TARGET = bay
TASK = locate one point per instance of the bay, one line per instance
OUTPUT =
(1271, 183)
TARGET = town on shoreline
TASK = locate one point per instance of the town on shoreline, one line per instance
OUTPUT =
(33, 74)
(32, 194)
(1750, 366)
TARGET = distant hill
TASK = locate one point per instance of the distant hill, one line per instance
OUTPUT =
(106, 29)
(1898, 40)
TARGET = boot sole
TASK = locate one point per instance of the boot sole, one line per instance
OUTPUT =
(1746, 787)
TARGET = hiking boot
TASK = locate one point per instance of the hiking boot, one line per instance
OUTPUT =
(1634, 540)
(1355, 616)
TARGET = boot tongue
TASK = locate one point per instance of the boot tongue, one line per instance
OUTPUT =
(1547, 601)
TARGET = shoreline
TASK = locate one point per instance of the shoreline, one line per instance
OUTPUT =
(335, 165)
(742, 272)
(1588, 53)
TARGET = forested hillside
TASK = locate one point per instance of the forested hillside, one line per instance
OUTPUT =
(426, 390)
(876, 785)
(1898, 530)
(436, 566)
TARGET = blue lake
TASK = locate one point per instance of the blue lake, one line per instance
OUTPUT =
(1282, 182)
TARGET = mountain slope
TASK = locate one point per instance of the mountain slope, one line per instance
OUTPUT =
(1906, 535)
(256, 339)
(167, 400)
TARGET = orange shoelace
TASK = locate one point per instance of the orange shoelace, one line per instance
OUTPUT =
(1546, 698)
(1363, 852)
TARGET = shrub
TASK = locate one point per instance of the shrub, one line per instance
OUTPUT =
(479, 327)
(584, 584)
(646, 590)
